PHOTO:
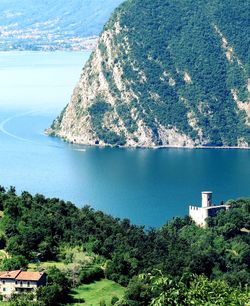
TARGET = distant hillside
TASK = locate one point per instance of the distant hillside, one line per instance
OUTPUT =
(54, 24)
(165, 73)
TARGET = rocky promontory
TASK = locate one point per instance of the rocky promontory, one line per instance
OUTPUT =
(165, 73)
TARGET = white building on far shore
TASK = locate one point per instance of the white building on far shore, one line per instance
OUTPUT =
(207, 209)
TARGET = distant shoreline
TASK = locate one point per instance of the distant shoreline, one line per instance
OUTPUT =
(47, 133)
(206, 147)
(70, 44)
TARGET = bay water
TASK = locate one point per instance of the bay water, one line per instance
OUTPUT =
(145, 185)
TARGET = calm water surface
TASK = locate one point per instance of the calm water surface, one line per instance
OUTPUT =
(147, 186)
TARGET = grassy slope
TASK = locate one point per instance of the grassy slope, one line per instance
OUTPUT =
(46, 265)
(97, 291)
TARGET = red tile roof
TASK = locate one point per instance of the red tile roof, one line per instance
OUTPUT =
(29, 276)
(9, 274)
(21, 275)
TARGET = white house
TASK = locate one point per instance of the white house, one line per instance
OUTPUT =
(14, 282)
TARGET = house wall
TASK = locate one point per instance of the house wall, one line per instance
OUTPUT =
(11, 286)
(7, 287)
(42, 281)
(26, 284)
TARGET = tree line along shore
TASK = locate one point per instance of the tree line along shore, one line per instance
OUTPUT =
(176, 264)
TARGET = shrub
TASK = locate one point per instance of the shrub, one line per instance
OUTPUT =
(114, 300)
(88, 275)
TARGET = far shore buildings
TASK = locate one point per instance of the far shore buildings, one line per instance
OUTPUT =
(207, 209)
(15, 282)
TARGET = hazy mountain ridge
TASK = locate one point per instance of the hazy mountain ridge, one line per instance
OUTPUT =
(165, 74)
(52, 25)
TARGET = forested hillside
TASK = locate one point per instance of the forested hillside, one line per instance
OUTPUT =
(181, 258)
(165, 73)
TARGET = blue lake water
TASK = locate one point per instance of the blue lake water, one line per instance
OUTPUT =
(147, 186)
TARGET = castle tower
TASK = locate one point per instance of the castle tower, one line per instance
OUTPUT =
(208, 209)
(206, 197)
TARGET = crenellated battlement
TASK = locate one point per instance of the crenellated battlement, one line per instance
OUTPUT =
(208, 209)
(194, 208)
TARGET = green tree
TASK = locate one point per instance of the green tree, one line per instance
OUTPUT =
(14, 263)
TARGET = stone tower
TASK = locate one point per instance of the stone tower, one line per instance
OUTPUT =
(206, 198)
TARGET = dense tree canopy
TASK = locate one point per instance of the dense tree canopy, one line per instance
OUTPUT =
(36, 227)
(159, 290)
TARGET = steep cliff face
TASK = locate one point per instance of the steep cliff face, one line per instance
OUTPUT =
(165, 73)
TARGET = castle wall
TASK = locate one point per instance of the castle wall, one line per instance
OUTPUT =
(198, 214)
